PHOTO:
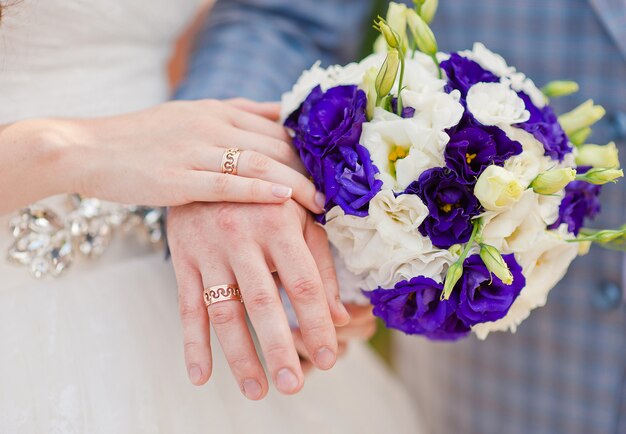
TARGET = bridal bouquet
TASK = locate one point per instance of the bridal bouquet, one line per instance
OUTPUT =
(455, 197)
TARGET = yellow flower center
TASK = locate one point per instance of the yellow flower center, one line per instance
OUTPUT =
(446, 207)
(397, 153)
(469, 158)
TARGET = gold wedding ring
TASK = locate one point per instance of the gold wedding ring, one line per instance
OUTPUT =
(229, 161)
(215, 294)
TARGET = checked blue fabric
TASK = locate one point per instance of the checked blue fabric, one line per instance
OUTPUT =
(564, 371)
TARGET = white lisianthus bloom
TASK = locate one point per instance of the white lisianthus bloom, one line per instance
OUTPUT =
(496, 104)
(520, 83)
(532, 161)
(549, 207)
(400, 149)
(351, 284)
(543, 266)
(421, 75)
(488, 60)
(359, 243)
(405, 264)
(397, 220)
(435, 110)
(517, 228)
(497, 189)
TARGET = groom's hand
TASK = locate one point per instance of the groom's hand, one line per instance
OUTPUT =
(214, 244)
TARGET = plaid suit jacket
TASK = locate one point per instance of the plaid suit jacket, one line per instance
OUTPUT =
(565, 369)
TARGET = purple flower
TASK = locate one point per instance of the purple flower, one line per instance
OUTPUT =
(327, 128)
(483, 297)
(349, 182)
(581, 200)
(451, 205)
(325, 121)
(473, 147)
(544, 125)
(463, 73)
(415, 307)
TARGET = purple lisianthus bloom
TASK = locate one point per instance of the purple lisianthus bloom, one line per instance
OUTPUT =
(463, 73)
(473, 147)
(544, 125)
(325, 121)
(349, 182)
(581, 201)
(451, 205)
(415, 307)
(483, 297)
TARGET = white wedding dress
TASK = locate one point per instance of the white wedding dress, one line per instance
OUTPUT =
(98, 349)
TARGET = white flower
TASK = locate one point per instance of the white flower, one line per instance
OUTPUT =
(496, 104)
(543, 267)
(350, 284)
(421, 75)
(520, 83)
(359, 243)
(497, 189)
(435, 110)
(397, 219)
(488, 60)
(400, 149)
(517, 228)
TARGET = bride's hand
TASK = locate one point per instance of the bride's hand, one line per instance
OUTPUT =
(169, 155)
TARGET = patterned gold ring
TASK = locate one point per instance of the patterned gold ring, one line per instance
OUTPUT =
(216, 294)
(229, 161)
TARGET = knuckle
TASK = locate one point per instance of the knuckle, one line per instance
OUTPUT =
(257, 188)
(221, 185)
(222, 314)
(259, 163)
(191, 347)
(306, 289)
(228, 219)
(262, 301)
(278, 352)
(241, 363)
(189, 311)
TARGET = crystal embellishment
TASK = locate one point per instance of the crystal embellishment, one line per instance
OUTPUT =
(48, 244)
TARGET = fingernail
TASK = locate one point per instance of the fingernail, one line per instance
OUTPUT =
(195, 374)
(286, 381)
(320, 200)
(281, 191)
(252, 389)
(324, 358)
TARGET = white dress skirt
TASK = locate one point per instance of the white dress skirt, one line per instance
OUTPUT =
(99, 349)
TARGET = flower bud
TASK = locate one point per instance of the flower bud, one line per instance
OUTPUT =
(454, 274)
(497, 188)
(495, 263)
(600, 175)
(598, 156)
(553, 181)
(369, 86)
(388, 73)
(580, 137)
(583, 116)
(428, 10)
(584, 247)
(423, 35)
(391, 36)
(396, 19)
(555, 89)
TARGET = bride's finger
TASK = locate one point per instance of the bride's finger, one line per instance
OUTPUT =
(195, 322)
(273, 148)
(201, 186)
(257, 124)
(251, 164)
(269, 110)
(228, 319)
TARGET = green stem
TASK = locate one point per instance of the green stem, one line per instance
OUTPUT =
(399, 104)
(434, 57)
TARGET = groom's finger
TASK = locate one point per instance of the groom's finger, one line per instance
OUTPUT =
(299, 274)
(277, 149)
(228, 319)
(195, 322)
(268, 318)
